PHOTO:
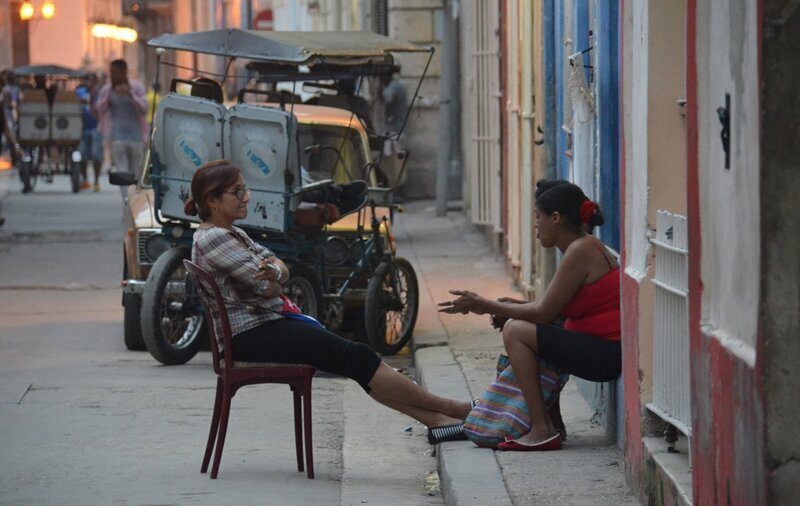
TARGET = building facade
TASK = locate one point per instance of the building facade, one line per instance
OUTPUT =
(667, 114)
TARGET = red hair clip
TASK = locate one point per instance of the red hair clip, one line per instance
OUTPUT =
(588, 208)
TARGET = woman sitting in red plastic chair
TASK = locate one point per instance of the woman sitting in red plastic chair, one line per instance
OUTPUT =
(250, 277)
(584, 291)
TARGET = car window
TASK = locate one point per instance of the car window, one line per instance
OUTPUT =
(325, 163)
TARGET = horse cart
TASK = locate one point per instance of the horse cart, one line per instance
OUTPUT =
(344, 266)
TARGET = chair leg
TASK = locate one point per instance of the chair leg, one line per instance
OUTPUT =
(212, 433)
(298, 433)
(223, 429)
(307, 424)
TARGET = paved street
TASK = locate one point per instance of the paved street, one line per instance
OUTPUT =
(84, 421)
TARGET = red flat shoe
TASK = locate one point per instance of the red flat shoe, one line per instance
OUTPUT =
(549, 444)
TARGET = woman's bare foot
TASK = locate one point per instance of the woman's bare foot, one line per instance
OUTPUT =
(537, 436)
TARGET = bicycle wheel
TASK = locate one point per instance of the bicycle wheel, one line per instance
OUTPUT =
(390, 310)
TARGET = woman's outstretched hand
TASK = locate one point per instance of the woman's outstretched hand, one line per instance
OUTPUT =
(466, 302)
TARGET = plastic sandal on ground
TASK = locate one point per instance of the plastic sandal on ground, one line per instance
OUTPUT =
(444, 433)
(550, 444)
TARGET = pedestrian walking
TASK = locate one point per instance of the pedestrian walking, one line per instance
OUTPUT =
(121, 106)
(91, 147)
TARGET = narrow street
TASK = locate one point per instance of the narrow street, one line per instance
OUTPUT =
(87, 422)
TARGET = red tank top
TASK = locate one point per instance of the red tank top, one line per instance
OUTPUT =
(594, 309)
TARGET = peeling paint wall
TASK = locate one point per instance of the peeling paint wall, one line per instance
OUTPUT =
(727, 62)
(635, 196)
(723, 210)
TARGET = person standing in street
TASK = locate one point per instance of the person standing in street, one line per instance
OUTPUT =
(395, 108)
(91, 142)
(122, 106)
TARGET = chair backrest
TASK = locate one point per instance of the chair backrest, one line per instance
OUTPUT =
(214, 305)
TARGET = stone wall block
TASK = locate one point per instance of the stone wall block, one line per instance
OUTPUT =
(412, 25)
(413, 64)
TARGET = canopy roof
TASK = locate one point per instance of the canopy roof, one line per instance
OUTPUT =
(48, 70)
(299, 48)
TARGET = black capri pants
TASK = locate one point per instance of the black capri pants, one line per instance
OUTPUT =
(588, 357)
(295, 342)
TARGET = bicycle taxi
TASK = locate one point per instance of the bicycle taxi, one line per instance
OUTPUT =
(344, 270)
(49, 125)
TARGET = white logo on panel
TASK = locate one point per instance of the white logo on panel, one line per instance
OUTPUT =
(189, 148)
(258, 160)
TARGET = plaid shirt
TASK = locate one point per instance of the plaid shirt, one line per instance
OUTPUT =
(233, 258)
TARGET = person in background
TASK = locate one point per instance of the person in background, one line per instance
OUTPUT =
(584, 291)
(91, 147)
(395, 108)
(122, 107)
(11, 95)
(8, 132)
(41, 84)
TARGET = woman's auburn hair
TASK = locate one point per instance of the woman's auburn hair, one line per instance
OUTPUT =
(209, 181)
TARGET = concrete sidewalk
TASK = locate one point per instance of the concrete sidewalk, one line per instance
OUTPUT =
(455, 356)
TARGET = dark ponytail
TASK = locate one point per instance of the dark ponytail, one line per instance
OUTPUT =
(570, 202)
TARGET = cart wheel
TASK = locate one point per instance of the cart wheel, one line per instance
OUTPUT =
(74, 175)
(132, 304)
(304, 290)
(173, 324)
(390, 310)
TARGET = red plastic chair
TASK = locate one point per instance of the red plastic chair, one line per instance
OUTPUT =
(233, 375)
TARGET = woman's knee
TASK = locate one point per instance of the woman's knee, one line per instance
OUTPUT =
(362, 363)
(519, 331)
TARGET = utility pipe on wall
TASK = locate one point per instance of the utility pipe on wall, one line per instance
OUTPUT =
(448, 100)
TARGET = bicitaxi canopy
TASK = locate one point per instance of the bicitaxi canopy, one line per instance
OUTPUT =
(298, 48)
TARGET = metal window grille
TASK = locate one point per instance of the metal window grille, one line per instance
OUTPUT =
(671, 387)
(485, 178)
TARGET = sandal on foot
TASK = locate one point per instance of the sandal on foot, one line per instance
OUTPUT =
(443, 433)
(549, 444)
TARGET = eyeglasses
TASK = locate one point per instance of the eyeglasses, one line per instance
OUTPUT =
(239, 192)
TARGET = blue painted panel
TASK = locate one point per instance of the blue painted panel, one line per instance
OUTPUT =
(562, 162)
(580, 33)
(609, 135)
(550, 123)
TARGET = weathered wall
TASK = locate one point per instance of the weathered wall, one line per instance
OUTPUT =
(780, 245)
(727, 62)
(636, 113)
(724, 264)
(61, 40)
(6, 58)
(630, 179)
